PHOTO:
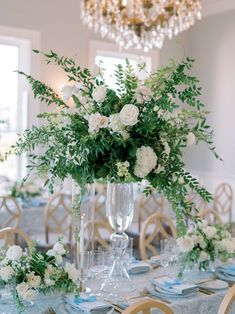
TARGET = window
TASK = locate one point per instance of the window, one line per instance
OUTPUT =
(15, 54)
(109, 56)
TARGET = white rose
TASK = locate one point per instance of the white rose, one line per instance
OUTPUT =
(143, 94)
(14, 253)
(191, 139)
(146, 161)
(96, 71)
(33, 280)
(67, 92)
(99, 93)
(73, 273)
(115, 123)
(6, 273)
(29, 295)
(203, 256)
(22, 288)
(96, 121)
(129, 115)
(185, 243)
(210, 231)
(59, 248)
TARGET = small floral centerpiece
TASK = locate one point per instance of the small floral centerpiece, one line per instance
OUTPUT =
(204, 244)
(136, 132)
(25, 191)
(36, 272)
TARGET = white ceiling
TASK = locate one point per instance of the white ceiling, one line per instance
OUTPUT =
(210, 7)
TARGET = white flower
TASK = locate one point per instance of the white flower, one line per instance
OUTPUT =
(129, 115)
(58, 259)
(146, 161)
(47, 280)
(22, 288)
(96, 71)
(99, 93)
(200, 240)
(185, 243)
(191, 139)
(29, 295)
(59, 248)
(6, 273)
(51, 252)
(33, 280)
(14, 253)
(210, 231)
(67, 92)
(227, 245)
(181, 180)
(80, 91)
(96, 121)
(203, 256)
(115, 123)
(143, 94)
(73, 273)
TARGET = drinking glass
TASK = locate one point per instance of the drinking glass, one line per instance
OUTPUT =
(97, 268)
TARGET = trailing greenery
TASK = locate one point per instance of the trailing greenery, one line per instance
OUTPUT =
(139, 131)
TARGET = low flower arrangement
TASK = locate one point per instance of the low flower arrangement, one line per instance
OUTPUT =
(29, 274)
(138, 131)
(25, 190)
(204, 244)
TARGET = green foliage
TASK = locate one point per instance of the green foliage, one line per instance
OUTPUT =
(169, 111)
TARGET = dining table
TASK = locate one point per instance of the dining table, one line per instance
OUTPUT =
(200, 303)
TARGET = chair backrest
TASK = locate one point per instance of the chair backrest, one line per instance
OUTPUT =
(227, 301)
(223, 200)
(147, 205)
(9, 235)
(156, 225)
(10, 212)
(197, 200)
(99, 204)
(211, 216)
(58, 216)
(145, 306)
(99, 231)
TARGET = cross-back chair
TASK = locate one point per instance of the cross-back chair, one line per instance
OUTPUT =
(10, 211)
(8, 235)
(145, 306)
(223, 200)
(227, 301)
(211, 216)
(155, 227)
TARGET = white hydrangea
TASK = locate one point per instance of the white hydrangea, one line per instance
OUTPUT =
(73, 273)
(146, 161)
(99, 93)
(96, 122)
(25, 292)
(129, 115)
(14, 253)
(116, 125)
(6, 273)
(185, 243)
(227, 245)
(191, 139)
(210, 231)
(203, 256)
(29, 295)
(200, 240)
(143, 94)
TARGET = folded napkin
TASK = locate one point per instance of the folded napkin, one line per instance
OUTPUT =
(88, 304)
(138, 267)
(228, 269)
(176, 286)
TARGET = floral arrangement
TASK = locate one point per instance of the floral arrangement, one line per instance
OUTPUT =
(25, 190)
(36, 272)
(138, 131)
(203, 244)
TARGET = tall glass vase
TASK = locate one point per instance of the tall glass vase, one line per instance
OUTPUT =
(119, 211)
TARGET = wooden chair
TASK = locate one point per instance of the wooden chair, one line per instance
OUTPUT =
(10, 211)
(211, 216)
(228, 299)
(99, 203)
(9, 234)
(145, 306)
(58, 216)
(158, 224)
(146, 206)
(99, 232)
(223, 200)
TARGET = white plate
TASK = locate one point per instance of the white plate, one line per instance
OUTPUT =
(225, 277)
(215, 284)
(65, 308)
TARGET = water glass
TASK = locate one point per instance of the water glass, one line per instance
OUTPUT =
(97, 269)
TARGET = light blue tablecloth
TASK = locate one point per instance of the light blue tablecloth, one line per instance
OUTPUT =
(199, 304)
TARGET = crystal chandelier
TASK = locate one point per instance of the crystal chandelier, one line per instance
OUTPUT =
(142, 24)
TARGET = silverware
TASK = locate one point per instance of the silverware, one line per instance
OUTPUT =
(49, 310)
(206, 291)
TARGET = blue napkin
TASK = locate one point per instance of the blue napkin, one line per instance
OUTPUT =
(228, 269)
(138, 267)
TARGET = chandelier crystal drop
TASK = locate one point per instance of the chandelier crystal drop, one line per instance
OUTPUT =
(142, 24)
